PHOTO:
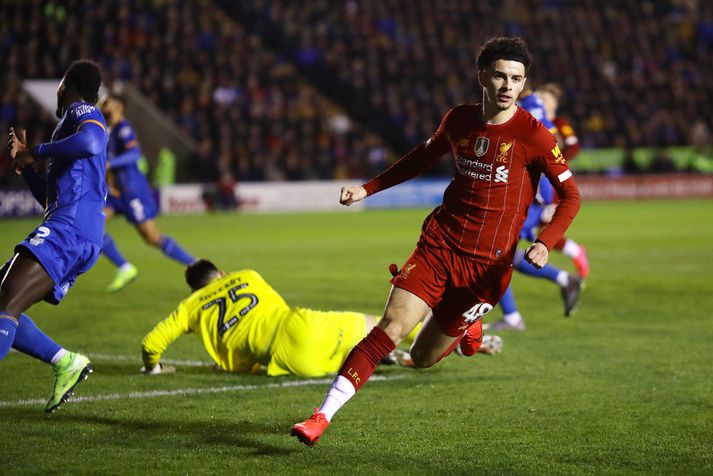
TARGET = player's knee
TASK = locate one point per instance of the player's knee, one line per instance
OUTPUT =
(394, 328)
(153, 239)
(11, 300)
(422, 358)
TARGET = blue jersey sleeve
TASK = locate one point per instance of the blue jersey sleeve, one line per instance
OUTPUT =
(36, 184)
(126, 147)
(89, 138)
(129, 157)
(126, 137)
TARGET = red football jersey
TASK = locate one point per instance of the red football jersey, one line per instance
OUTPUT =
(497, 170)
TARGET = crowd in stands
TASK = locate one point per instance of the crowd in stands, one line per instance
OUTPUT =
(633, 71)
(248, 109)
(277, 89)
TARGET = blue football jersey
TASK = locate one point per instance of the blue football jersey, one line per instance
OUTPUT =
(533, 104)
(123, 154)
(76, 186)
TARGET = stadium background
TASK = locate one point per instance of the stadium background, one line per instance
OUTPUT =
(283, 91)
(269, 96)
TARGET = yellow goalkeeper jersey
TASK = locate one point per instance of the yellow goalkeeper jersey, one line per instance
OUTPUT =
(236, 318)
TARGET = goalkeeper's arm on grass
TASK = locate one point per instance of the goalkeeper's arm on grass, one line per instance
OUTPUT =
(157, 341)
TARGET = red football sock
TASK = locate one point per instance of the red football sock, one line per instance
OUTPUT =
(364, 358)
(560, 244)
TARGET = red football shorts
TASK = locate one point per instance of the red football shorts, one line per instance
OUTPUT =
(457, 288)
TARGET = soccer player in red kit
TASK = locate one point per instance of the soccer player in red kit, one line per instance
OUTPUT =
(463, 261)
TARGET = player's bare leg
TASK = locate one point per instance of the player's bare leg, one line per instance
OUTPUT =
(24, 283)
(150, 233)
(403, 312)
(126, 272)
(431, 344)
(152, 236)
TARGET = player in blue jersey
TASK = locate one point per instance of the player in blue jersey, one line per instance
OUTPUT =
(68, 242)
(130, 194)
(569, 284)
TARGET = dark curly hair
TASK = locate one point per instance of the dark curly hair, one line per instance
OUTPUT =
(511, 48)
(84, 77)
(200, 273)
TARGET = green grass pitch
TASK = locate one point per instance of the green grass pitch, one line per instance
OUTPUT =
(623, 387)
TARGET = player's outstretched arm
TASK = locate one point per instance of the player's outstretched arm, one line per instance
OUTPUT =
(89, 140)
(129, 157)
(163, 335)
(419, 160)
(351, 195)
(560, 177)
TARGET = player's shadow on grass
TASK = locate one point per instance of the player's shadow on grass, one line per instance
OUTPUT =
(157, 432)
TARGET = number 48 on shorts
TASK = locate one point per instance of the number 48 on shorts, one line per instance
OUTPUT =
(476, 312)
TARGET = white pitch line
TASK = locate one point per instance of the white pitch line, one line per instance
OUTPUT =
(188, 391)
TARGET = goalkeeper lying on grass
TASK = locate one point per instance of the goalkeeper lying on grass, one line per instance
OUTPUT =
(247, 327)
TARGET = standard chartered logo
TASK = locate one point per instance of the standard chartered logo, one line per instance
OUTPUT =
(478, 170)
(501, 174)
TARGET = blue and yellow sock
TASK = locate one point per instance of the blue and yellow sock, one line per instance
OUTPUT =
(172, 249)
(30, 340)
(8, 328)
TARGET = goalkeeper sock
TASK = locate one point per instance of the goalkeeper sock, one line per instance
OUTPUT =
(8, 328)
(30, 340)
(112, 252)
(172, 249)
(356, 370)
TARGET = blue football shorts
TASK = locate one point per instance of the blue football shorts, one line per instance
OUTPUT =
(136, 209)
(62, 253)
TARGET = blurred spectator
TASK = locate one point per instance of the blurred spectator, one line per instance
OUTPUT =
(629, 165)
(662, 163)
